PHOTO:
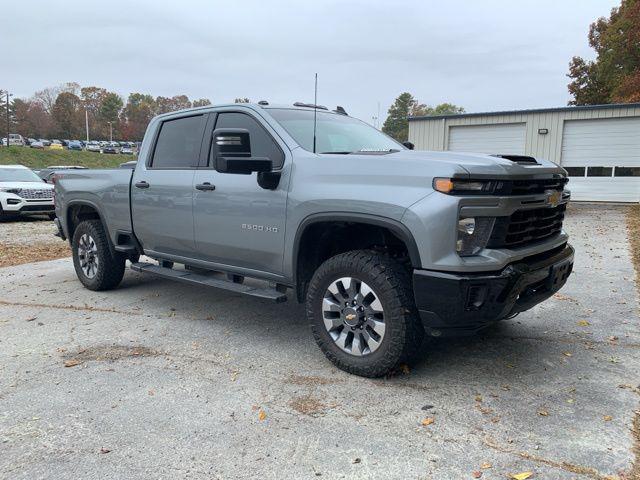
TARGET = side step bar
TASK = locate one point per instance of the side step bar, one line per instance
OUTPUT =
(198, 279)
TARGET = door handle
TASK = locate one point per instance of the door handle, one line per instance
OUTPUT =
(205, 186)
(142, 184)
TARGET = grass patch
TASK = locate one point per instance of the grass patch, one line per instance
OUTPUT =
(633, 233)
(32, 158)
(633, 230)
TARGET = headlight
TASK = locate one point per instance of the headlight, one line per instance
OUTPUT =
(453, 186)
(15, 191)
(473, 234)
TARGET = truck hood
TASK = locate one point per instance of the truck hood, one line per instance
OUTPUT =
(476, 165)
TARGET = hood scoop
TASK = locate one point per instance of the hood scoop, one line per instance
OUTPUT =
(521, 159)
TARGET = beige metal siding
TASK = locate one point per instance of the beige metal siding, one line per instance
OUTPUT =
(434, 134)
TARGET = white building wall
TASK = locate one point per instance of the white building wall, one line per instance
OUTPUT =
(433, 134)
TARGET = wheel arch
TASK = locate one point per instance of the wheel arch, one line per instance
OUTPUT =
(381, 228)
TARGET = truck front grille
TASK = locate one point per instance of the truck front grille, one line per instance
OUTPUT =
(527, 226)
(531, 186)
(36, 193)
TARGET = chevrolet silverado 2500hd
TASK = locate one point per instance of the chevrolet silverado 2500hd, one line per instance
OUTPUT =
(383, 243)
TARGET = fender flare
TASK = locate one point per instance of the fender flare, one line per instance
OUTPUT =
(397, 228)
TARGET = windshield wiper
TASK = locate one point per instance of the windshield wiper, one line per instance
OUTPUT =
(376, 152)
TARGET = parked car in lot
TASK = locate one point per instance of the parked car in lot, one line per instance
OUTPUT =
(74, 145)
(36, 144)
(111, 147)
(45, 142)
(47, 172)
(22, 192)
(15, 140)
(126, 150)
(93, 147)
(56, 145)
(382, 243)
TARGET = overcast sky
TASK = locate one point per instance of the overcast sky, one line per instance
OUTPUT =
(483, 55)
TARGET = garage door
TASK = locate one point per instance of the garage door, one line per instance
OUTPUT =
(504, 138)
(602, 157)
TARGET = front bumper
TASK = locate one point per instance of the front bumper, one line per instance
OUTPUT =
(14, 204)
(453, 304)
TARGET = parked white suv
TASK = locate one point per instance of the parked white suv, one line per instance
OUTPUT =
(14, 140)
(22, 192)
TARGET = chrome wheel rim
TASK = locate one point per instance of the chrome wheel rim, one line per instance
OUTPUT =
(353, 316)
(88, 255)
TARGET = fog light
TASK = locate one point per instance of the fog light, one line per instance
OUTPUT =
(467, 225)
(473, 235)
(12, 201)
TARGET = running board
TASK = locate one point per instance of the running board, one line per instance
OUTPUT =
(198, 279)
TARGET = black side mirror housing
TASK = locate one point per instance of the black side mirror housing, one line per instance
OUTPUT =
(243, 165)
(232, 153)
(409, 145)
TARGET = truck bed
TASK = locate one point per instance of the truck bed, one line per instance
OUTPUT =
(107, 190)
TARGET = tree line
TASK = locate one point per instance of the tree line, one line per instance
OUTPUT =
(61, 111)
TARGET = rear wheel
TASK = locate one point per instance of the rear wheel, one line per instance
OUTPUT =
(97, 267)
(362, 313)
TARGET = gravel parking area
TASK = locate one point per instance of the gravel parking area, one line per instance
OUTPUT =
(163, 380)
(29, 239)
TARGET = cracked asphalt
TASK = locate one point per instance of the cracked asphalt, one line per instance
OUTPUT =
(164, 380)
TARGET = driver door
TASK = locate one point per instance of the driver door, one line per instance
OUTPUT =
(238, 223)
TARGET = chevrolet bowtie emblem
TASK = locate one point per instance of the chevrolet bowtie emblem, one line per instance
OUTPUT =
(553, 197)
(350, 317)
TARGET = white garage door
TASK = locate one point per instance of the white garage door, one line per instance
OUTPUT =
(505, 138)
(602, 157)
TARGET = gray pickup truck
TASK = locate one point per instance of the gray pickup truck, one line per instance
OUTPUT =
(383, 243)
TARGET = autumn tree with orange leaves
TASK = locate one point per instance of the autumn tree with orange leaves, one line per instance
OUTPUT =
(614, 76)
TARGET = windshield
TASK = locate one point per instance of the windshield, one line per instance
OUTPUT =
(18, 175)
(334, 133)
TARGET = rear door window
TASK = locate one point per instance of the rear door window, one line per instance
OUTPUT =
(178, 143)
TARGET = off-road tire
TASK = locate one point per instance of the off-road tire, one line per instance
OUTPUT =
(110, 269)
(391, 281)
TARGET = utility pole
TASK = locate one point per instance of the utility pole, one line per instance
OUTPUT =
(86, 123)
(110, 131)
(8, 121)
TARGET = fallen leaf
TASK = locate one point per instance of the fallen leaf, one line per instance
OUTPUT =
(357, 460)
(72, 363)
(104, 450)
(31, 319)
(543, 413)
(607, 418)
(583, 323)
(262, 415)
(404, 368)
(521, 476)
(478, 398)
(428, 421)
(477, 474)
(567, 354)
(485, 465)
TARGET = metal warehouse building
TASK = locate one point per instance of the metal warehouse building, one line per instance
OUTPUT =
(598, 145)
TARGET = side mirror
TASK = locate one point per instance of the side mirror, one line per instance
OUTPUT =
(232, 153)
(243, 166)
(409, 145)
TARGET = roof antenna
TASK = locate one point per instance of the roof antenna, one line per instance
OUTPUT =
(315, 110)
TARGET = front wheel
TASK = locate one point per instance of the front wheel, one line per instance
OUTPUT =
(362, 313)
(97, 267)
